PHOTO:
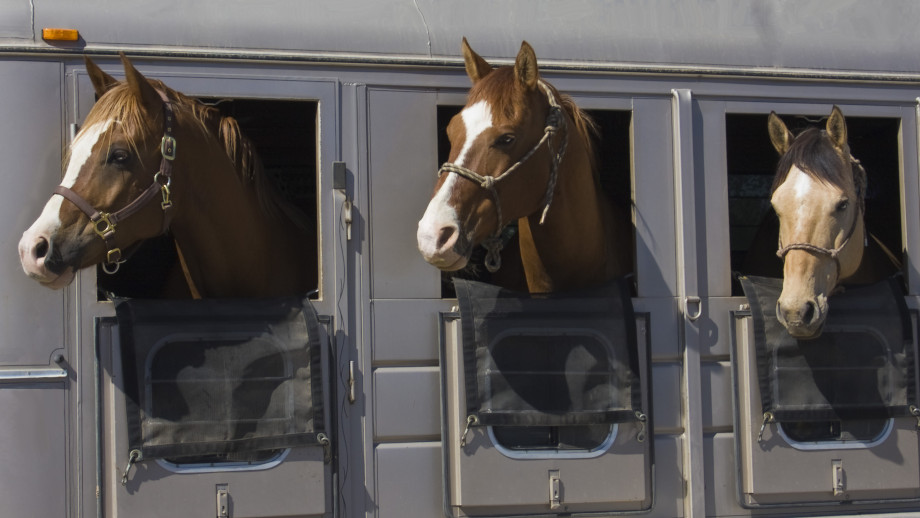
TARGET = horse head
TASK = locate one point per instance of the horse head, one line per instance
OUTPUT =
(504, 153)
(818, 195)
(116, 186)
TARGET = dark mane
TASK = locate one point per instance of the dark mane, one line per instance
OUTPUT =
(500, 88)
(813, 152)
(121, 105)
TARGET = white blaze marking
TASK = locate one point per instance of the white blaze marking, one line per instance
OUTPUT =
(802, 188)
(80, 151)
(803, 184)
(439, 214)
(477, 118)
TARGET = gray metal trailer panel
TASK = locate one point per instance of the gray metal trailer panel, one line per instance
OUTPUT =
(684, 72)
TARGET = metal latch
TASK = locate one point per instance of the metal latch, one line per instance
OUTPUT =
(340, 183)
(223, 501)
(555, 489)
(838, 478)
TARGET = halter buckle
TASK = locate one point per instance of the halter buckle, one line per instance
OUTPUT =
(103, 225)
(168, 147)
(113, 256)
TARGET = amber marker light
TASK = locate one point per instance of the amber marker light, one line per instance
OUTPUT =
(51, 34)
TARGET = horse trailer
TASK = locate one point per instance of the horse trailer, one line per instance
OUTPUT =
(348, 105)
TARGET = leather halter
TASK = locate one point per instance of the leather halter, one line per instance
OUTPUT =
(833, 253)
(555, 121)
(104, 223)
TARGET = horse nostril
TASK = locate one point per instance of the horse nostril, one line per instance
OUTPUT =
(446, 237)
(808, 314)
(40, 250)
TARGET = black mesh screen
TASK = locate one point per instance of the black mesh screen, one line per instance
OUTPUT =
(220, 377)
(556, 360)
(860, 367)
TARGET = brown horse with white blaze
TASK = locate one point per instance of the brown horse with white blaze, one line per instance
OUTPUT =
(149, 159)
(819, 197)
(522, 151)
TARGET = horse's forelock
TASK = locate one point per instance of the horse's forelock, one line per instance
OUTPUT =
(813, 152)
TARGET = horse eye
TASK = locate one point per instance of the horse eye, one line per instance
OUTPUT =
(118, 157)
(505, 140)
(843, 205)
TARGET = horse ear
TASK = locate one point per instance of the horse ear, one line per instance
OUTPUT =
(525, 67)
(780, 136)
(476, 67)
(102, 82)
(141, 88)
(837, 128)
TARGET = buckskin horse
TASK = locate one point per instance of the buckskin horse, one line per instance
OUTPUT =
(819, 197)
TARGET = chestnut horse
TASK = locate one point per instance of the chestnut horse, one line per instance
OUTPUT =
(150, 160)
(522, 151)
(819, 197)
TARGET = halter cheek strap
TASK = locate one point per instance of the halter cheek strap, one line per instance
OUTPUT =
(104, 223)
(555, 122)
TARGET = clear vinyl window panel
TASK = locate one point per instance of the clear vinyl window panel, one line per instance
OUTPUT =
(554, 373)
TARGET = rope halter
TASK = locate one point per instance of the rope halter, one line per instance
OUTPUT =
(833, 253)
(555, 122)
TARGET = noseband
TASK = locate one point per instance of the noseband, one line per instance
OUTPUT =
(104, 223)
(555, 122)
(833, 253)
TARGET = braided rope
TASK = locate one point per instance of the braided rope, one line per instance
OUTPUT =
(555, 121)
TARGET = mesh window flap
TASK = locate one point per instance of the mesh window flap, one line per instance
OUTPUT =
(860, 367)
(220, 376)
(549, 360)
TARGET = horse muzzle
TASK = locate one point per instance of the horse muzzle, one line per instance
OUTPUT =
(443, 246)
(802, 319)
(42, 261)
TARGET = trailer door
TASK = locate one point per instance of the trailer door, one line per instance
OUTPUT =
(813, 462)
(144, 370)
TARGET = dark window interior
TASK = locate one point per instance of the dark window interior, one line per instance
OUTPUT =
(285, 135)
(613, 150)
(752, 161)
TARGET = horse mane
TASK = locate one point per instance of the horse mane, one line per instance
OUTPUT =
(813, 152)
(501, 89)
(121, 105)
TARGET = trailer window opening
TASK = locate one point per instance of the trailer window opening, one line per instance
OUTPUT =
(613, 150)
(751, 166)
(285, 136)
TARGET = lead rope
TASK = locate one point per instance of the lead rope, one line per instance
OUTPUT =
(192, 287)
